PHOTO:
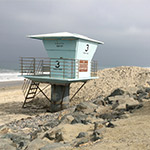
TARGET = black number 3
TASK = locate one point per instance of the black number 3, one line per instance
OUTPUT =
(58, 64)
(87, 47)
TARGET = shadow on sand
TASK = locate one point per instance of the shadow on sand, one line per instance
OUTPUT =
(34, 107)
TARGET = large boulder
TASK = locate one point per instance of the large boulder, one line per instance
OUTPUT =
(7, 144)
(70, 131)
(86, 107)
(36, 144)
(117, 91)
(56, 146)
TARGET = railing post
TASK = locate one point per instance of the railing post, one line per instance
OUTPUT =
(42, 67)
(21, 65)
(63, 68)
(50, 67)
(34, 66)
(71, 69)
(96, 68)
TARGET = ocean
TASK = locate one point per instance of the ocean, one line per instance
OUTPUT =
(9, 71)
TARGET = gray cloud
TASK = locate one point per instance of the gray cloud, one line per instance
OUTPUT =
(124, 26)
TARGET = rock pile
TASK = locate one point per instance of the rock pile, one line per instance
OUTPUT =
(77, 126)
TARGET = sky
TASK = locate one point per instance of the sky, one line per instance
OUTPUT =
(123, 25)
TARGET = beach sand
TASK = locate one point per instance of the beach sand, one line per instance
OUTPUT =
(130, 133)
(11, 100)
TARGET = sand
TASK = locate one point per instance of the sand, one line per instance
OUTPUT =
(130, 133)
(11, 100)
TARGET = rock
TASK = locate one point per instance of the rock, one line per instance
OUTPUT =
(110, 125)
(69, 132)
(147, 89)
(5, 130)
(48, 136)
(56, 146)
(103, 109)
(112, 115)
(82, 141)
(132, 107)
(80, 107)
(123, 100)
(36, 144)
(17, 138)
(33, 135)
(140, 91)
(116, 92)
(6, 144)
(107, 100)
(115, 105)
(58, 137)
(96, 136)
(21, 145)
(52, 124)
(67, 119)
(86, 107)
(100, 102)
(82, 134)
(79, 118)
(134, 96)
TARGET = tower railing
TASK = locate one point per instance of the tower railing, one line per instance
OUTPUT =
(53, 67)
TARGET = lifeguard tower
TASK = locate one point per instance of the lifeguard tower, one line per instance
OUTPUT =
(69, 60)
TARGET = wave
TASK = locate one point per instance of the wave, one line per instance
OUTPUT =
(10, 75)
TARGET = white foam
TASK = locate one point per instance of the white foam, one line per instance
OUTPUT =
(9, 75)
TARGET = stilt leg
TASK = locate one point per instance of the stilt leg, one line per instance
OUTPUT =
(59, 97)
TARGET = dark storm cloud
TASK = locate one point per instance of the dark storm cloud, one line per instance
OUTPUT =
(123, 25)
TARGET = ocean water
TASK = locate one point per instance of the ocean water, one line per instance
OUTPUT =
(9, 71)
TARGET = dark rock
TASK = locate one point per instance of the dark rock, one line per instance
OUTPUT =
(100, 101)
(21, 145)
(110, 125)
(115, 105)
(33, 135)
(108, 101)
(16, 138)
(79, 118)
(111, 116)
(52, 124)
(80, 107)
(86, 107)
(67, 119)
(82, 134)
(134, 96)
(116, 92)
(58, 137)
(140, 91)
(147, 90)
(96, 136)
(132, 107)
(48, 135)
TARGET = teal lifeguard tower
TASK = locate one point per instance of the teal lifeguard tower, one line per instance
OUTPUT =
(69, 60)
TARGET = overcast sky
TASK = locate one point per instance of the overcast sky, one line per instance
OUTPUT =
(124, 26)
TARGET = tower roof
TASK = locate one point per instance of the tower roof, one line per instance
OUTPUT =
(63, 35)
